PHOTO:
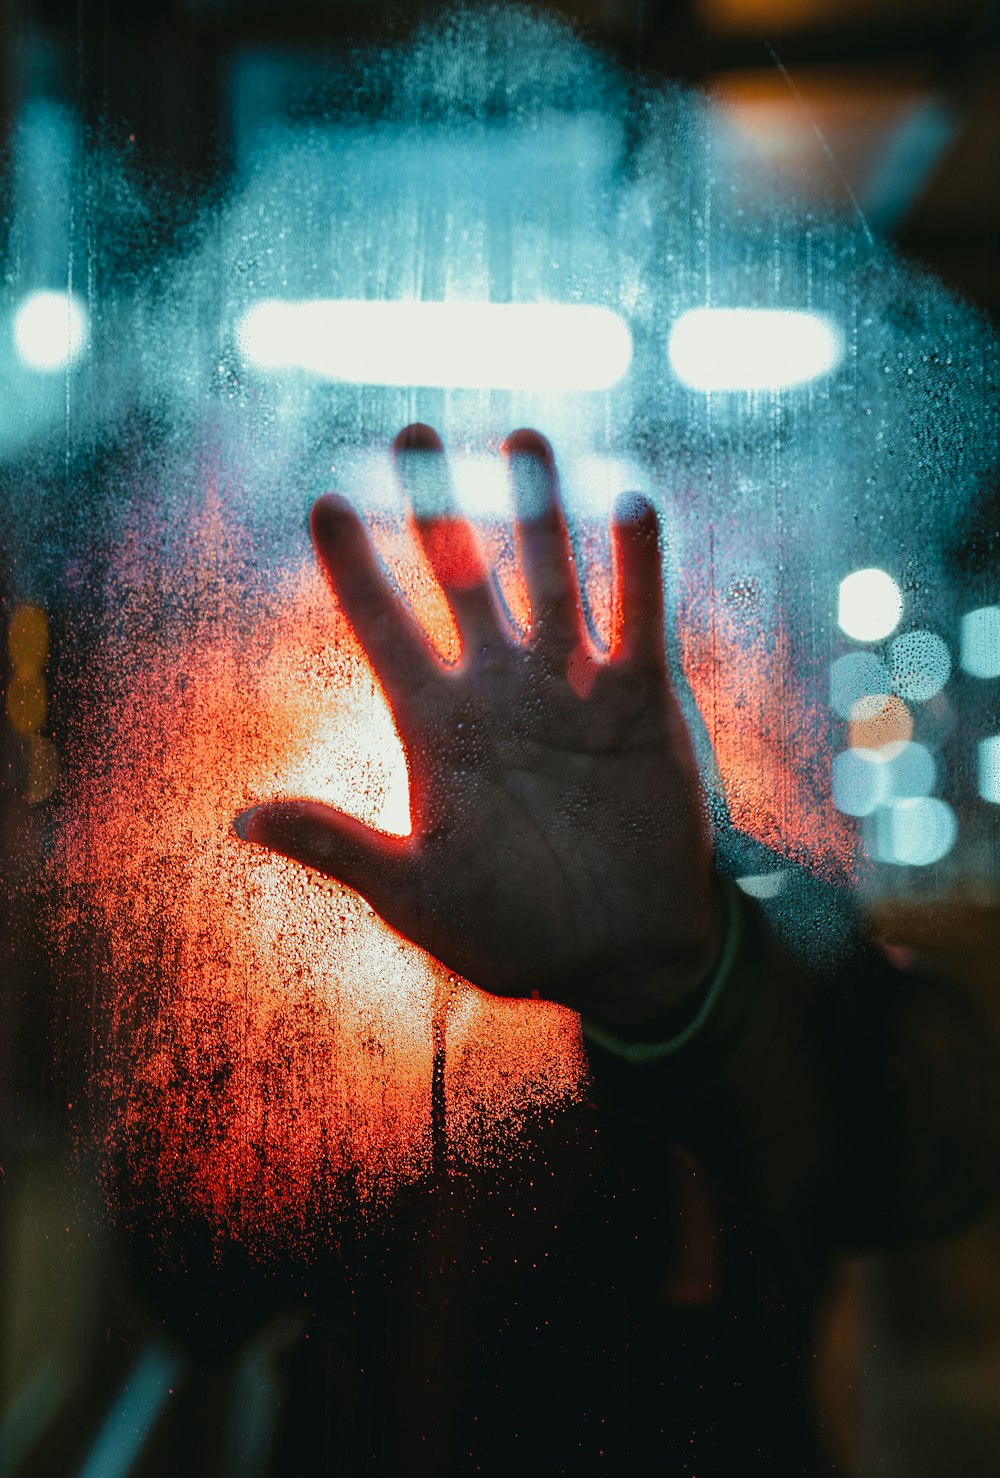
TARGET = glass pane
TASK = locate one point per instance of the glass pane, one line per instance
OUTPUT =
(300, 1162)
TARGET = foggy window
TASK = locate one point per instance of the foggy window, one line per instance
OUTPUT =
(492, 225)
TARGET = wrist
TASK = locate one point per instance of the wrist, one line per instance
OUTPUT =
(643, 998)
(653, 1037)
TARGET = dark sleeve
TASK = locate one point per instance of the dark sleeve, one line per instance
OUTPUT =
(849, 1103)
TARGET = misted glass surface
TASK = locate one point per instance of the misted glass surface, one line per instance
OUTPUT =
(270, 1099)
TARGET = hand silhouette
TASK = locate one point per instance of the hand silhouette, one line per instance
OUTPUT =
(559, 844)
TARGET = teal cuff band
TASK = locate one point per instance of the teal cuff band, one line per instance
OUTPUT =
(641, 1053)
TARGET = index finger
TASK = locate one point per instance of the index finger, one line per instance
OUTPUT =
(391, 638)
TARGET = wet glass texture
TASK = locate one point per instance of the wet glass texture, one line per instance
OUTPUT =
(490, 227)
(487, 229)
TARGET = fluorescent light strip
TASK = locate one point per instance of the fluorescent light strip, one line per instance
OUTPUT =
(452, 345)
(714, 349)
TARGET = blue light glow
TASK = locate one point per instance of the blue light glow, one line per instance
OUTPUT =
(989, 769)
(481, 346)
(980, 642)
(865, 779)
(51, 330)
(915, 832)
(921, 665)
(870, 605)
(752, 348)
(855, 676)
(146, 1390)
(860, 781)
(910, 770)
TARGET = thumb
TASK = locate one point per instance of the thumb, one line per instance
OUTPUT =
(377, 866)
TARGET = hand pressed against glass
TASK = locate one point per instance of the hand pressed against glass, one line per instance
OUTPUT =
(559, 843)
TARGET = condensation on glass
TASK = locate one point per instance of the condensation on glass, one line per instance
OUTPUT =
(491, 230)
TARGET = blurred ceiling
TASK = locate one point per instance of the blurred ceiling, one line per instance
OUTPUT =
(889, 106)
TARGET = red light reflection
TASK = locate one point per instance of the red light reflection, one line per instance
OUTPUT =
(267, 1038)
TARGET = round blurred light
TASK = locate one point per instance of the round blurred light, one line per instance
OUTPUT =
(979, 642)
(26, 703)
(877, 722)
(28, 638)
(857, 676)
(921, 665)
(989, 769)
(870, 605)
(914, 833)
(910, 771)
(859, 781)
(43, 769)
(50, 330)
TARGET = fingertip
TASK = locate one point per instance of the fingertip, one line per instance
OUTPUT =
(273, 824)
(527, 442)
(417, 437)
(332, 515)
(241, 823)
(633, 510)
(329, 508)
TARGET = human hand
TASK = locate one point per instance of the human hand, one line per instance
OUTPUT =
(559, 844)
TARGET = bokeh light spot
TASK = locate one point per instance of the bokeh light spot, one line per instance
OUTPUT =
(28, 638)
(855, 676)
(43, 769)
(26, 703)
(910, 770)
(878, 721)
(921, 665)
(989, 769)
(543, 346)
(763, 885)
(914, 833)
(51, 330)
(870, 605)
(860, 781)
(980, 642)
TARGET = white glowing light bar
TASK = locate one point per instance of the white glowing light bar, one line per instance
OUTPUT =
(870, 605)
(50, 330)
(480, 346)
(752, 348)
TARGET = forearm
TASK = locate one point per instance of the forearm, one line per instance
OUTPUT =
(853, 1106)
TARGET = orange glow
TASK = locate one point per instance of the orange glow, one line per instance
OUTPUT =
(453, 552)
(269, 1040)
(28, 638)
(770, 744)
(265, 1044)
(26, 703)
(43, 769)
(879, 721)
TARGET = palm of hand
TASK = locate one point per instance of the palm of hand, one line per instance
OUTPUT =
(559, 846)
